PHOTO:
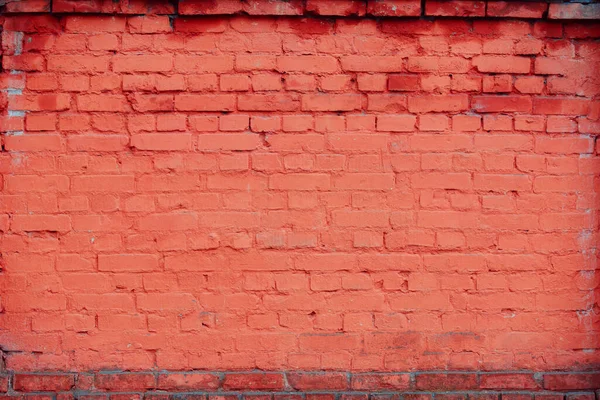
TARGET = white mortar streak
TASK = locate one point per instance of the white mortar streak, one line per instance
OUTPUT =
(15, 91)
(589, 255)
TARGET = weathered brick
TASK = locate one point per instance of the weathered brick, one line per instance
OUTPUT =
(394, 8)
(574, 11)
(125, 381)
(318, 381)
(254, 381)
(455, 8)
(43, 382)
(517, 9)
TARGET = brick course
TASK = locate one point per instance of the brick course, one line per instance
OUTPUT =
(274, 384)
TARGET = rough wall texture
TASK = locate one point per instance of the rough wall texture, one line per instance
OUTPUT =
(362, 192)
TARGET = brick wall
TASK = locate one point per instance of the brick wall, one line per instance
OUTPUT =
(377, 189)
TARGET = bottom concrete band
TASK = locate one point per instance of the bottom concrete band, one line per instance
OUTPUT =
(313, 385)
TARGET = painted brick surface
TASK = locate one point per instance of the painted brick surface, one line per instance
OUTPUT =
(300, 186)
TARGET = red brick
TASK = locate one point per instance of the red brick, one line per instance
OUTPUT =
(394, 8)
(358, 122)
(387, 102)
(125, 381)
(266, 82)
(574, 11)
(317, 381)
(210, 8)
(234, 83)
(255, 62)
(455, 8)
(452, 381)
(105, 41)
(372, 82)
(557, 105)
(297, 123)
(547, 29)
(509, 28)
(438, 64)
(336, 83)
(8, 124)
(371, 219)
(203, 64)
(380, 382)
(69, 5)
(265, 124)
(100, 102)
(41, 122)
(307, 64)
(305, 26)
(433, 122)
(564, 145)
(396, 123)
(207, 102)
(254, 381)
(188, 381)
(462, 83)
(234, 122)
(336, 7)
(97, 142)
(92, 24)
(331, 102)
(558, 184)
(26, 183)
(203, 83)
(228, 142)
(459, 181)
(43, 382)
(128, 262)
(169, 222)
(40, 102)
(502, 103)
(366, 239)
(508, 381)
(268, 102)
(571, 381)
(497, 122)
(28, 6)
(33, 223)
(556, 124)
(529, 84)
(142, 63)
(300, 83)
(466, 123)
(33, 23)
(372, 64)
(24, 62)
(588, 126)
(258, 7)
(517, 9)
(497, 84)
(530, 123)
(502, 64)
(299, 182)
(438, 103)
(149, 24)
(403, 83)
(3, 384)
(205, 25)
